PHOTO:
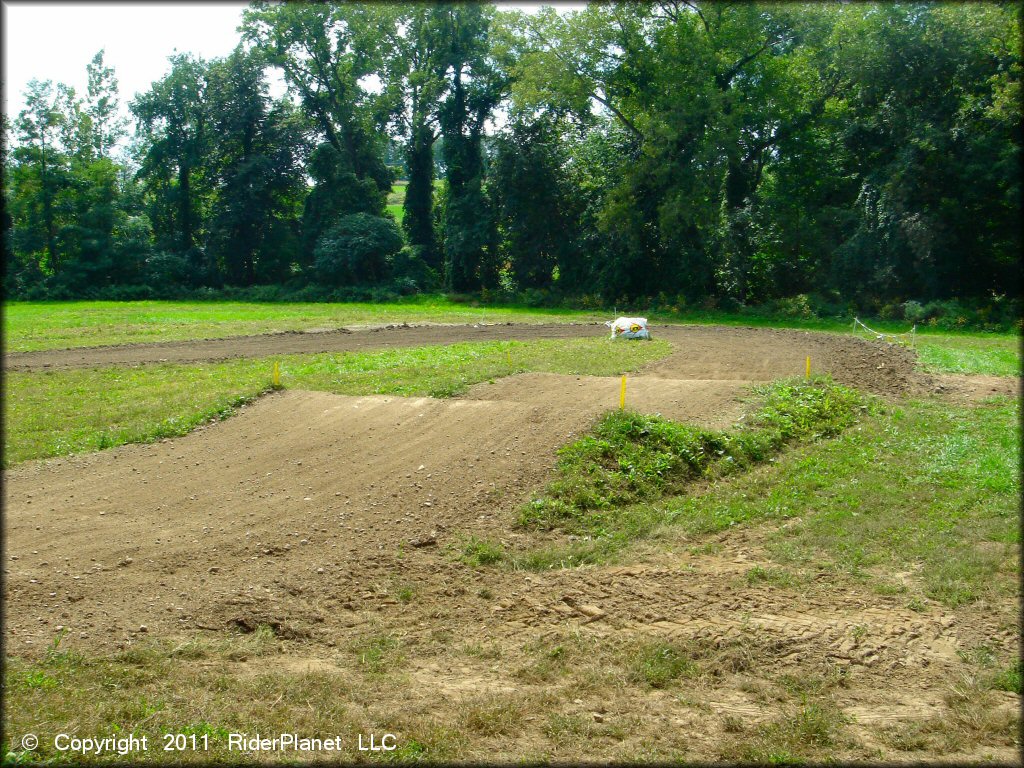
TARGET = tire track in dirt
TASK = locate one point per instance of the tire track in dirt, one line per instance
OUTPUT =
(305, 493)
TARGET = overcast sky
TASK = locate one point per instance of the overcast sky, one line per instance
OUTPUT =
(50, 40)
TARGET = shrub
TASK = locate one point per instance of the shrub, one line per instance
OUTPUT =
(356, 250)
(913, 311)
(797, 306)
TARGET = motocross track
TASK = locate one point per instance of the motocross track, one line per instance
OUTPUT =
(751, 354)
(307, 510)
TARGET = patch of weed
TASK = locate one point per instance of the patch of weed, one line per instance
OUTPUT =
(492, 716)
(1008, 679)
(798, 736)
(661, 664)
(379, 654)
(476, 552)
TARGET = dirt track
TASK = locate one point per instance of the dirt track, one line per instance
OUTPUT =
(752, 354)
(343, 474)
(307, 510)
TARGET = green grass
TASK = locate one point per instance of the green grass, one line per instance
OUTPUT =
(661, 664)
(924, 486)
(995, 355)
(396, 201)
(58, 325)
(805, 733)
(398, 212)
(60, 412)
(476, 552)
(633, 458)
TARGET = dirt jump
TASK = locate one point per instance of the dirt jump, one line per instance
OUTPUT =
(306, 509)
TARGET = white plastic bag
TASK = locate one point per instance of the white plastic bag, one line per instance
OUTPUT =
(629, 328)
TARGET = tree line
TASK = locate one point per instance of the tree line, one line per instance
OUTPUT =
(712, 154)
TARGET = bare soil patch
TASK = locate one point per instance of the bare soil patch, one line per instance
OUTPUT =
(974, 388)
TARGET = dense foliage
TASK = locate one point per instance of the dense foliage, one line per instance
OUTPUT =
(817, 158)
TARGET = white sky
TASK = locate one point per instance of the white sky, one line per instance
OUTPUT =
(51, 40)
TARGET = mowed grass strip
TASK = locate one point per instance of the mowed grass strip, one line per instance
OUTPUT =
(990, 354)
(30, 326)
(61, 412)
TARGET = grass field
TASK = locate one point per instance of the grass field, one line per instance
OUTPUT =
(396, 200)
(56, 325)
(920, 485)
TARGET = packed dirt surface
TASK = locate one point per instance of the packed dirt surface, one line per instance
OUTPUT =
(974, 388)
(703, 352)
(304, 480)
(315, 513)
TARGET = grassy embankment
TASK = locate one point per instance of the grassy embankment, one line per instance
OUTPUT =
(922, 484)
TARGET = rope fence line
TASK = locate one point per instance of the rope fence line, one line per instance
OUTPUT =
(897, 338)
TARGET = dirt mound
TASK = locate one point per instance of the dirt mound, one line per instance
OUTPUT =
(764, 354)
(713, 403)
(335, 520)
(324, 504)
(311, 489)
(701, 352)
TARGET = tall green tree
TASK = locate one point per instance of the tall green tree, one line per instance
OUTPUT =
(253, 232)
(102, 106)
(174, 127)
(474, 85)
(328, 52)
(416, 84)
(537, 210)
(40, 175)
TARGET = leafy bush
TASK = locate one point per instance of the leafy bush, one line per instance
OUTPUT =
(166, 269)
(356, 250)
(913, 311)
(797, 306)
(411, 272)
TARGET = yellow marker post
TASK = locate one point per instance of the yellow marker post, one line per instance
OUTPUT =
(808, 374)
(277, 374)
(622, 394)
